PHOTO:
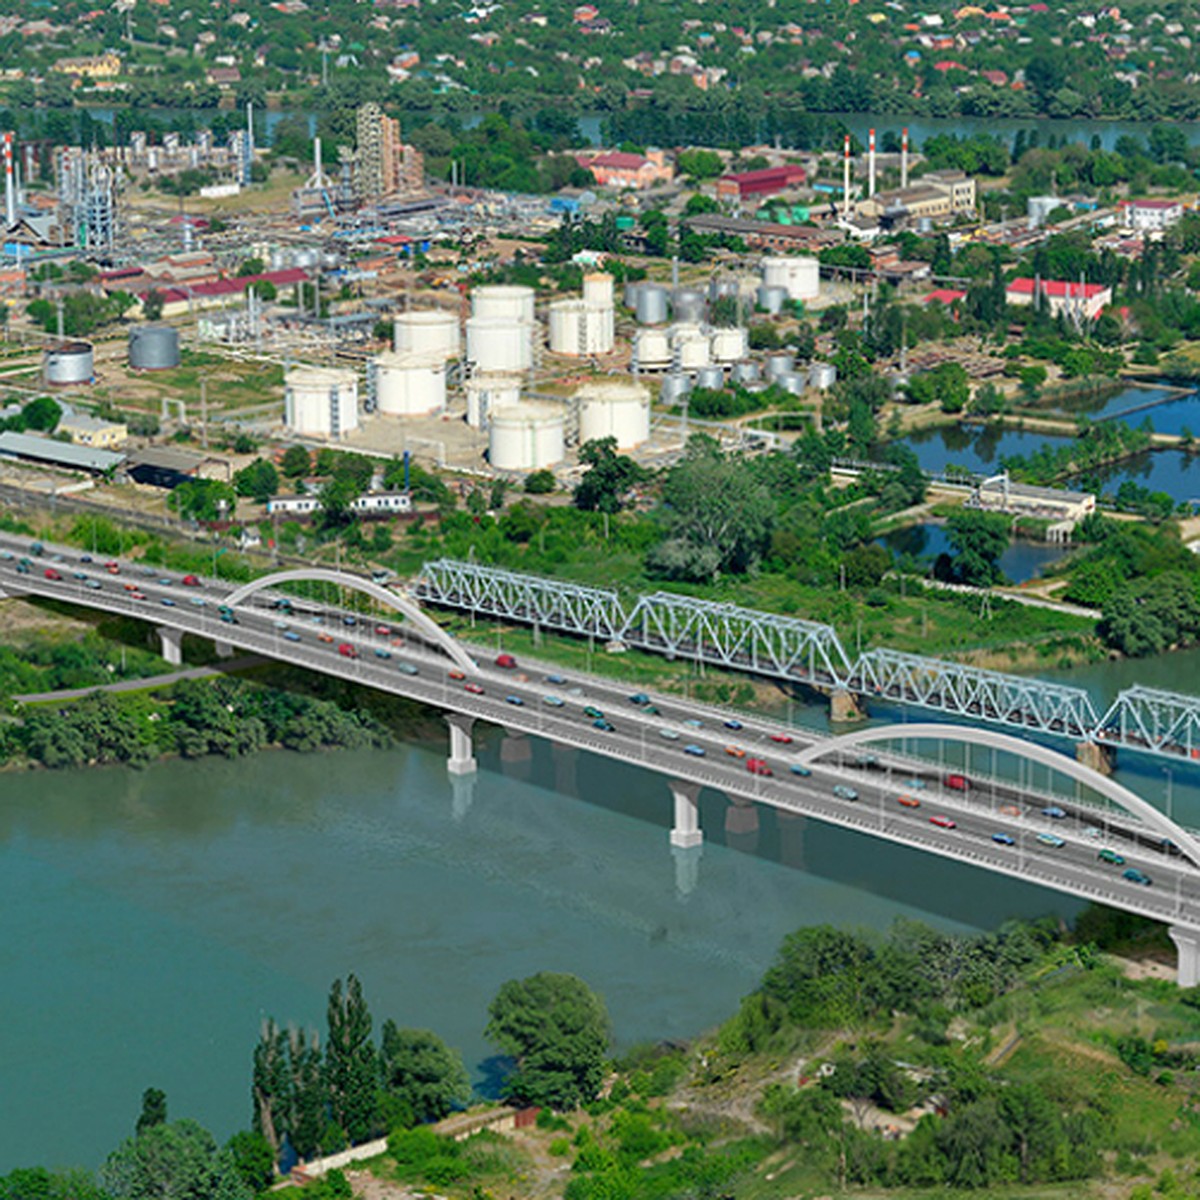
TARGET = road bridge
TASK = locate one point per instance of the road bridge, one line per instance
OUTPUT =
(1049, 834)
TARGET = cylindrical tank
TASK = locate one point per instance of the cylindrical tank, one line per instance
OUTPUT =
(421, 331)
(579, 328)
(322, 401)
(651, 304)
(728, 345)
(598, 289)
(486, 393)
(792, 382)
(409, 385)
(525, 437)
(652, 349)
(510, 301)
(726, 286)
(307, 257)
(771, 299)
(822, 375)
(68, 362)
(153, 347)
(780, 364)
(690, 344)
(614, 409)
(630, 293)
(500, 344)
(688, 304)
(710, 377)
(674, 388)
(800, 277)
(744, 372)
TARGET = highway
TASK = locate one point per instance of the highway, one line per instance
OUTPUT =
(688, 743)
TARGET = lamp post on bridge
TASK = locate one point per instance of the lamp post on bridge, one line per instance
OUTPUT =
(1168, 773)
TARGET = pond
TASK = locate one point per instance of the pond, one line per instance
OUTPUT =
(1022, 561)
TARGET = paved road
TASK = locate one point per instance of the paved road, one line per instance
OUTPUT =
(380, 654)
(141, 685)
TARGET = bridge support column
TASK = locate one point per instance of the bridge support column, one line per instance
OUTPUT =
(1096, 756)
(844, 707)
(462, 796)
(172, 644)
(1187, 943)
(516, 747)
(686, 830)
(687, 869)
(462, 748)
(8, 592)
(224, 649)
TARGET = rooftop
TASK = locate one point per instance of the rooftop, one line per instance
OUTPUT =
(62, 454)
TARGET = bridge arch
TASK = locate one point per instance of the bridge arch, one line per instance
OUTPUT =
(401, 603)
(1109, 788)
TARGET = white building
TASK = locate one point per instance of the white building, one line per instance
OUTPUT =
(384, 502)
(1152, 216)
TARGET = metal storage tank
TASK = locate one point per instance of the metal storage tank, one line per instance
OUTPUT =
(801, 277)
(321, 401)
(651, 304)
(486, 393)
(68, 362)
(579, 328)
(674, 389)
(792, 382)
(710, 377)
(525, 437)
(598, 289)
(822, 375)
(726, 286)
(744, 372)
(652, 349)
(499, 344)
(630, 294)
(689, 304)
(614, 409)
(771, 299)
(153, 347)
(780, 364)
(729, 345)
(409, 385)
(511, 301)
(691, 350)
(427, 330)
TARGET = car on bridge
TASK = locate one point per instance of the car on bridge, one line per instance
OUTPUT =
(553, 701)
(456, 673)
(670, 734)
(51, 573)
(842, 792)
(347, 651)
(784, 739)
(291, 635)
(1051, 839)
(555, 679)
(506, 662)
(797, 769)
(24, 566)
(1010, 810)
(190, 581)
(694, 750)
(592, 711)
(94, 584)
(515, 701)
(639, 698)
(382, 652)
(758, 766)
(734, 724)
(1004, 839)
(406, 668)
(735, 752)
(959, 783)
(474, 688)
(914, 785)
(908, 801)
(943, 822)
(603, 725)
(325, 637)
(113, 568)
(1111, 856)
(1136, 876)
(1054, 813)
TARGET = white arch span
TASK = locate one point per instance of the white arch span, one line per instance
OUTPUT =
(395, 600)
(1109, 788)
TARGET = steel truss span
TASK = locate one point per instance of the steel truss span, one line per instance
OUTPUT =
(788, 648)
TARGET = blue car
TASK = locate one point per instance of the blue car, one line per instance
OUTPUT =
(639, 698)
(380, 652)
(291, 636)
(1053, 812)
(1004, 839)
(603, 725)
(694, 723)
(732, 724)
(555, 679)
(514, 700)
(694, 750)
(797, 769)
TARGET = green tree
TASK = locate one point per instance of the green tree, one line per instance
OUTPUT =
(203, 499)
(154, 1109)
(152, 305)
(977, 539)
(253, 1159)
(350, 1061)
(42, 414)
(271, 1087)
(179, 1161)
(421, 1072)
(540, 483)
(259, 480)
(306, 1090)
(296, 462)
(609, 477)
(700, 164)
(557, 1031)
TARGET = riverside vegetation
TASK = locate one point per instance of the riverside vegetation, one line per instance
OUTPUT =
(999, 1064)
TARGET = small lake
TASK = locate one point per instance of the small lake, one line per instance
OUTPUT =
(1021, 562)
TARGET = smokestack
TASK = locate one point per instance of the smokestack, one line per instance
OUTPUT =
(10, 191)
(846, 181)
(318, 173)
(871, 164)
(904, 158)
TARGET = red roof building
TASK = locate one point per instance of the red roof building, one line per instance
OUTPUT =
(1088, 299)
(766, 182)
(946, 296)
(615, 168)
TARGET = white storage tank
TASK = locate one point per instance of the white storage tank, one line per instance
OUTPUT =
(690, 344)
(771, 299)
(486, 393)
(409, 385)
(744, 372)
(153, 347)
(525, 437)
(652, 349)
(499, 344)
(68, 363)
(614, 409)
(651, 304)
(320, 401)
(422, 331)
(801, 277)
(578, 328)
(728, 345)
(781, 363)
(688, 304)
(822, 376)
(598, 289)
(511, 302)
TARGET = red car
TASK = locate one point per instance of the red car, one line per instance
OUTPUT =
(960, 783)
(455, 673)
(756, 766)
(474, 689)
(783, 738)
(943, 822)
(190, 581)
(112, 568)
(382, 630)
(506, 662)
(51, 573)
(347, 651)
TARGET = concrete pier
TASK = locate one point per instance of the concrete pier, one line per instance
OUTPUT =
(687, 869)
(1187, 943)
(462, 747)
(844, 707)
(1098, 757)
(686, 832)
(172, 645)
(224, 649)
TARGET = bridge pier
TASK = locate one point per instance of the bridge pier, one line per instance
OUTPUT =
(844, 707)
(516, 747)
(462, 748)
(686, 831)
(1187, 943)
(223, 649)
(1094, 755)
(462, 796)
(741, 824)
(687, 869)
(8, 592)
(172, 644)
